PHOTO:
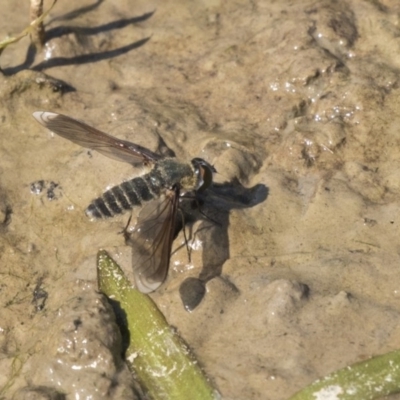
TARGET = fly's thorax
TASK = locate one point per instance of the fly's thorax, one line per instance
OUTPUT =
(175, 172)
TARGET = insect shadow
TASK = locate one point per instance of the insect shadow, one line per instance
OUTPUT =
(214, 206)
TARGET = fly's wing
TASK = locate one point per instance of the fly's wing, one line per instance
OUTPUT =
(151, 241)
(91, 138)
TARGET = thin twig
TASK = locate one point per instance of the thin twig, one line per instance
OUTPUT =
(37, 34)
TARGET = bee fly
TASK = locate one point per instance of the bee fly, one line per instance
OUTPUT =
(159, 191)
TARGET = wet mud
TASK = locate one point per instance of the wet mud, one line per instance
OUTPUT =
(296, 104)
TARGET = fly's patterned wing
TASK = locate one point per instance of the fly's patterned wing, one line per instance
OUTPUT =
(151, 241)
(91, 138)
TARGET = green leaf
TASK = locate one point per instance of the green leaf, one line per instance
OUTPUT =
(156, 354)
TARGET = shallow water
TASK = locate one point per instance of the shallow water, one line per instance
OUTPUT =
(301, 99)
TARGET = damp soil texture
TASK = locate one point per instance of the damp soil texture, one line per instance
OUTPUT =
(296, 104)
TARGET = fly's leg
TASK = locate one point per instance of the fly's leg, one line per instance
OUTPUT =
(197, 204)
(184, 235)
(125, 231)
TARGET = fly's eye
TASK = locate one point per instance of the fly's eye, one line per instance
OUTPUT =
(204, 171)
(207, 175)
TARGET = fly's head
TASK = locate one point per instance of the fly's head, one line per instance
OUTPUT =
(204, 173)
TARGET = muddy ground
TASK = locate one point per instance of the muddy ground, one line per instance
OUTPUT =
(297, 103)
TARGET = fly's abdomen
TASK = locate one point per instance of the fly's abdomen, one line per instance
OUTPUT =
(126, 195)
